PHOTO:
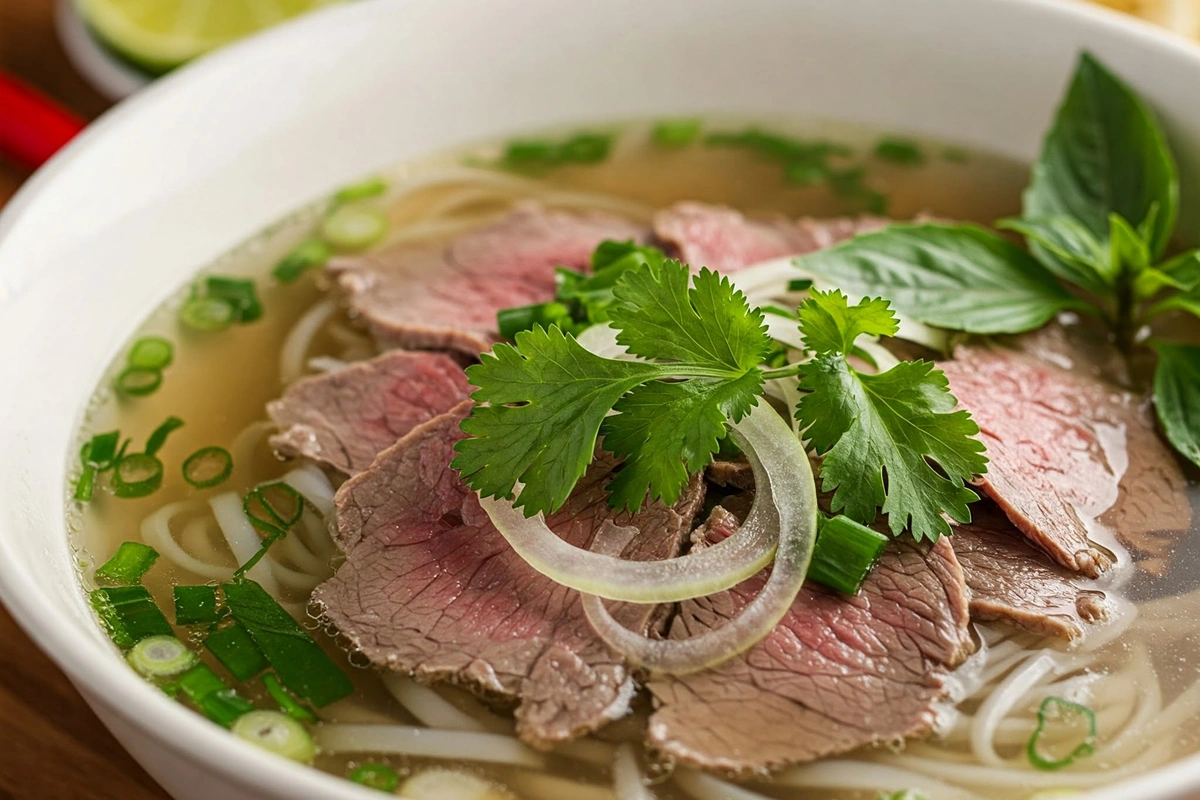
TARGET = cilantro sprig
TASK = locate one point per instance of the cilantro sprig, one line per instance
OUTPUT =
(545, 400)
(882, 434)
(1097, 218)
(703, 356)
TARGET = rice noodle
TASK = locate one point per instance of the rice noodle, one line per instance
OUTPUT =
(591, 751)
(706, 787)
(1000, 701)
(242, 538)
(156, 532)
(428, 706)
(299, 340)
(535, 786)
(426, 743)
(313, 486)
(628, 781)
(784, 480)
(846, 774)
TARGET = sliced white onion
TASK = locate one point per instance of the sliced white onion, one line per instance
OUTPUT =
(601, 340)
(299, 340)
(704, 572)
(785, 489)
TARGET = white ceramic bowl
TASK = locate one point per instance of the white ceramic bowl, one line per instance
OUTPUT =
(205, 158)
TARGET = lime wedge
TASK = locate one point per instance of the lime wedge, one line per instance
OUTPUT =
(1181, 16)
(158, 35)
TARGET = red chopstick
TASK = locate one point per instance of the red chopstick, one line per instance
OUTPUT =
(32, 127)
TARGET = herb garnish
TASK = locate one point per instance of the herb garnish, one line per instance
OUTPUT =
(704, 351)
(540, 155)
(1097, 216)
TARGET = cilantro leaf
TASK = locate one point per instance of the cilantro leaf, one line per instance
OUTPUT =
(546, 399)
(709, 325)
(666, 431)
(881, 435)
(832, 324)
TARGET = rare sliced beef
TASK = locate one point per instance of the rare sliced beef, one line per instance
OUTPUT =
(1071, 457)
(837, 673)
(431, 588)
(724, 240)
(1011, 581)
(344, 419)
(445, 296)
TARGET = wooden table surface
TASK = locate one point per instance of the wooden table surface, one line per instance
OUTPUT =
(53, 747)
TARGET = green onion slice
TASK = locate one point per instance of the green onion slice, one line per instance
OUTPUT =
(376, 776)
(844, 554)
(208, 467)
(216, 699)
(138, 381)
(306, 255)
(676, 132)
(129, 614)
(159, 437)
(287, 703)
(278, 733)
(512, 321)
(236, 651)
(371, 187)
(240, 293)
(137, 475)
(207, 314)
(161, 657)
(86, 485)
(353, 228)
(101, 450)
(1057, 710)
(195, 605)
(151, 352)
(127, 566)
(301, 664)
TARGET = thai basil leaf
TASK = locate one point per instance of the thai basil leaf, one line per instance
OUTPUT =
(1128, 251)
(1105, 154)
(959, 277)
(1182, 272)
(1177, 396)
(1068, 249)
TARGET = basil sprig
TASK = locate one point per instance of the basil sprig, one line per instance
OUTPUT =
(1097, 216)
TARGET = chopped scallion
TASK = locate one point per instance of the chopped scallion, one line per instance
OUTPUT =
(137, 475)
(512, 321)
(799, 285)
(151, 352)
(85, 487)
(287, 704)
(371, 187)
(1057, 710)
(295, 657)
(207, 314)
(127, 566)
(236, 651)
(161, 657)
(905, 152)
(844, 554)
(208, 467)
(779, 311)
(676, 132)
(101, 450)
(159, 437)
(272, 508)
(129, 614)
(195, 605)
(138, 381)
(354, 228)
(240, 293)
(376, 776)
(277, 733)
(303, 257)
(212, 696)
(532, 155)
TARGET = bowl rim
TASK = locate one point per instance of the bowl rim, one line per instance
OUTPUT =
(111, 683)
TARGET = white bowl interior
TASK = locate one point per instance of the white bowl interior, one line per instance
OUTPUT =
(203, 159)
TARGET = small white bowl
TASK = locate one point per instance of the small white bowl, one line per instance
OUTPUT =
(204, 158)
